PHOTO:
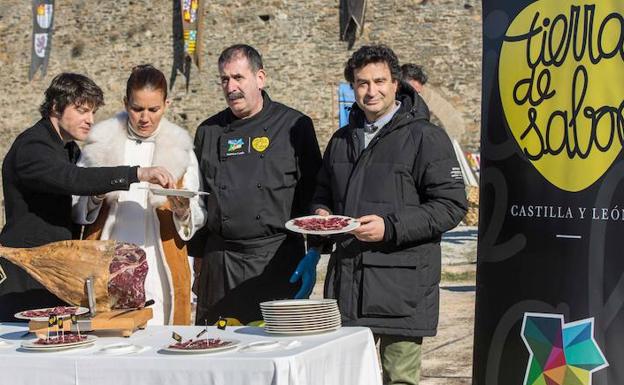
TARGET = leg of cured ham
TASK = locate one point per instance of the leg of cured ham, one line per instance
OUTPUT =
(62, 267)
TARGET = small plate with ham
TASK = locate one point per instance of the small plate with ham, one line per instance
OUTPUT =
(200, 346)
(60, 342)
(322, 225)
(45, 313)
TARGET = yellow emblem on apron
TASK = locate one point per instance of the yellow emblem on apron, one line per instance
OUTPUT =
(260, 144)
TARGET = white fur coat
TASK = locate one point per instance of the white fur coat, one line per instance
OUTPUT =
(105, 148)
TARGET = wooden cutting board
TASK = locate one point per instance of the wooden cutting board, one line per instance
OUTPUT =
(126, 322)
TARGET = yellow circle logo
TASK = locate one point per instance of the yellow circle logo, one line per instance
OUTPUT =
(561, 71)
(260, 144)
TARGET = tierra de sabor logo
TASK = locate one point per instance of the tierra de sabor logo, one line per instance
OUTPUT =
(561, 78)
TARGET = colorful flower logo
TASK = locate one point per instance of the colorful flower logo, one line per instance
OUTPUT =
(560, 353)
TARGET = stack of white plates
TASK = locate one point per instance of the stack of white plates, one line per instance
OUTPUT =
(300, 316)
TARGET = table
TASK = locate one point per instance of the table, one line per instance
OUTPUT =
(342, 357)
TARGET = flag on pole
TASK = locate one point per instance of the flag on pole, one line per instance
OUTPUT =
(43, 18)
(190, 23)
(189, 13)
(351, 19)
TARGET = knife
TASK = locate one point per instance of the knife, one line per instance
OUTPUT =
(84, 322)
(90, 295)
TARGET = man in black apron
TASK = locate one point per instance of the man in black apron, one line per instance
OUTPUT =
(259, 160)
(39, 177)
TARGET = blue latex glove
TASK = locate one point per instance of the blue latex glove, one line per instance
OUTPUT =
(306, 272)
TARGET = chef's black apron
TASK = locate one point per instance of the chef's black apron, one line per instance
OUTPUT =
(236, 276)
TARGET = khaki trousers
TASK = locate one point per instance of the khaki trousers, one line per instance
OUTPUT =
(400, 359)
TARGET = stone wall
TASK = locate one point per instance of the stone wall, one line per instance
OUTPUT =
(298, 39)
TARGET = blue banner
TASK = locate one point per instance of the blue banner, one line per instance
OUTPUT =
(345, 101)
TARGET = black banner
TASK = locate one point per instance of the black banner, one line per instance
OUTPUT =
(187, 20)
(43, 18)
(550, 283)
(351, 20)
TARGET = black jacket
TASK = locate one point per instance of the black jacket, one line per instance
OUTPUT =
(255, 190)
(260, 172)
(39, 177)
(409, 176)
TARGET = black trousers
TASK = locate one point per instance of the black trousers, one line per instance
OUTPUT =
(237, 276)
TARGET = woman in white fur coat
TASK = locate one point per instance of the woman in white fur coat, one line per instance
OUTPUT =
(160, 225)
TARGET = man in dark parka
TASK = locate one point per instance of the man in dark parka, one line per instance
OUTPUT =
(396, 172)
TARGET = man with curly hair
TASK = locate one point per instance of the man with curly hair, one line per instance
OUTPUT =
(39, 177)
(397, 173)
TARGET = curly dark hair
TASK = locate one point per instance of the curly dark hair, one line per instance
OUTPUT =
(244, 50)
(70, 88)
(413, 71)
(372, 54)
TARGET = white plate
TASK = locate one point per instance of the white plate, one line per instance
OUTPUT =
(232, 344)
(313, 325)
(31, 345)
(261, 346)
(120, 348)
(300, 317)
(353, 224)
(80, 310)
(301, 311)
(301, 332)
(313, 313)
(174, 192)
(282, 323)
(5, 344)
(59, 348)
(298, 302)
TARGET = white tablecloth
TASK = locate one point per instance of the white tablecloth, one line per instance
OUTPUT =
(343, 357)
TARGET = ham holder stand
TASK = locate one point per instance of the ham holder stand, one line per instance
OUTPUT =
(124, 321)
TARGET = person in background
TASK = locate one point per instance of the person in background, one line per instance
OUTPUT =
(39, 176)
(258, 159)
(397, 174)
(414, 75)
(159, 224)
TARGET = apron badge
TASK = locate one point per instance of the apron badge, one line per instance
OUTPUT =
(260, 144)
(235, 146)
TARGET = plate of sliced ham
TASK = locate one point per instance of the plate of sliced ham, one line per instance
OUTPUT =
(45, 313)
(59, 342)
(322, 225)
(204, 345)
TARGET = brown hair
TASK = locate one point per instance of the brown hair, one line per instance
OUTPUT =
(146, 76)
(69, 88)
(232, 52)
